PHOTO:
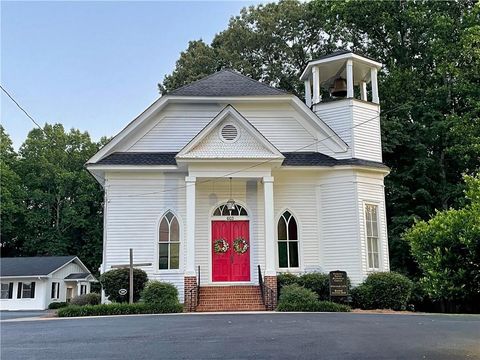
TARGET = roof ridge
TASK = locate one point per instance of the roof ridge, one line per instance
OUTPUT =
(231, 71)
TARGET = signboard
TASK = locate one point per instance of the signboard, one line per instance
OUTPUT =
(122, 292)
(338, 283)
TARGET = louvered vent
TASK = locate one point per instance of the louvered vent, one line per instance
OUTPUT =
(229, 133)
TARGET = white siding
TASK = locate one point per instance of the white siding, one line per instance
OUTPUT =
(176, 125)
(339, 219)
(37, 303)
(136, 202)
(59, 276)
(357, 123)
(295, 192)
(366, 132)
(371, 190)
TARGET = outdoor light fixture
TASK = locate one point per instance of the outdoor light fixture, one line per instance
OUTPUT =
(231, 202)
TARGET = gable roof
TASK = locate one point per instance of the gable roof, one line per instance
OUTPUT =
(32, 266)
(230, 111)
(226, 83)
(139, 158)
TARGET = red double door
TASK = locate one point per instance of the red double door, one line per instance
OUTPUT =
(230, 265)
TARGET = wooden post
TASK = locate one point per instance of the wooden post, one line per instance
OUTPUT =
(131, 277)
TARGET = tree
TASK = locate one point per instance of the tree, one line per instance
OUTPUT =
(11, 198)
(447, 250)
(63, 209)
(431, 57)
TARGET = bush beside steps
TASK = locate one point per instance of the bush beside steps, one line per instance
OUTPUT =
(297, 298)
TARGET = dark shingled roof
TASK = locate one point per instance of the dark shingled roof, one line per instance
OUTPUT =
(139, 158)
(77, 276)
(319, 159)
(32, 266)
(291, 159)
(226, 83)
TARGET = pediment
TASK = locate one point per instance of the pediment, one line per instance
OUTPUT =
(229, 136)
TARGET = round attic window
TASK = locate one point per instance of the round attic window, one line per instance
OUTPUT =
(229, 133)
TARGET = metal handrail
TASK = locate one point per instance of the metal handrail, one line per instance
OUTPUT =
(268, 295)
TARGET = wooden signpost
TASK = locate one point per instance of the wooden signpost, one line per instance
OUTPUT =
(338, 284)
(130, 266)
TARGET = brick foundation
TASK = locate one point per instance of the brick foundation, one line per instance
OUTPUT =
(271, 282)
(190, 290)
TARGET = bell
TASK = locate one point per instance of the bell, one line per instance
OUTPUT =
(339, 88)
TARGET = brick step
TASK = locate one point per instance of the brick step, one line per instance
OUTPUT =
(230, 298)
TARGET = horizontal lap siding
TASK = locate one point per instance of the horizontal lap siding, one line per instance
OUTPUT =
(175, 126)
(340, 249)
(340, 120)
(136, 203)
(297, 194)
(211, 194)
(366, 133)
(371, 190)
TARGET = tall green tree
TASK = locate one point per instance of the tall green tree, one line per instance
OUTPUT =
(11, 198)
(63, 206)
(431, 57)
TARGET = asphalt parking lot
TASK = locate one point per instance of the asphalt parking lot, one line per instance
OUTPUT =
(8, 315)
(246, 336)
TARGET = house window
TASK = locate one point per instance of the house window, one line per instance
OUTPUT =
(371, 223)
(55, 293)
(287, 241)
(26, 290)
(7, 290)
(169, 242)
(83, 289)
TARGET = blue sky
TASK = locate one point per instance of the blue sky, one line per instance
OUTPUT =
(95, 65)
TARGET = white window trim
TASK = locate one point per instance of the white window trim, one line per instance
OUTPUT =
(379, 237)
(157, 270)
(56, 292)
(21, 291)
(300, 252)
(8, 290)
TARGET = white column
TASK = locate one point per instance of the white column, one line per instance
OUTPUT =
(373, 79)
(269, 226)
(316, 84)
(308, 93)
(191, 203)
(349, 78)
(363, 91)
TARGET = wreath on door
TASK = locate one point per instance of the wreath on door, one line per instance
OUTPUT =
(220, 246)
(240, 245)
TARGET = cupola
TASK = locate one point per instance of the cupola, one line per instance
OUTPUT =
(338, 74)
(336, 89)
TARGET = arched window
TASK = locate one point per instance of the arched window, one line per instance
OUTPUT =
(287, 241)
(169, 242)
(238, 210)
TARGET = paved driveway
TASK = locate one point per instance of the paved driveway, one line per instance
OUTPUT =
(256, 336)
(8, 315)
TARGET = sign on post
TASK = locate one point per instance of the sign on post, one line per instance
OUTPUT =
(122, 292)
(338, 284)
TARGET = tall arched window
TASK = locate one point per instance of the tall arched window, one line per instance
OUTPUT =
(287, 241)
(169, 242)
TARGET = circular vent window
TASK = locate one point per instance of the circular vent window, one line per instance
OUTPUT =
(229, 133)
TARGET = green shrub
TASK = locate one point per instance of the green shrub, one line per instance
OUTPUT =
(119, 309)
(285, 279)
(157, 292)
(86, 299)
(297, 298)
(383, 290)
(318, 283)
(57, 305)
(117, 279)
(329, 306)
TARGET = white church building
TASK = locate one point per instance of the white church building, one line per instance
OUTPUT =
(223, 183)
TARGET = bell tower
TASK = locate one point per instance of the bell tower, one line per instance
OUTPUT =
(342, 90)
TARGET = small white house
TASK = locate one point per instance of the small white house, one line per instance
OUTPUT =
(32, 283)
(226, 176)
